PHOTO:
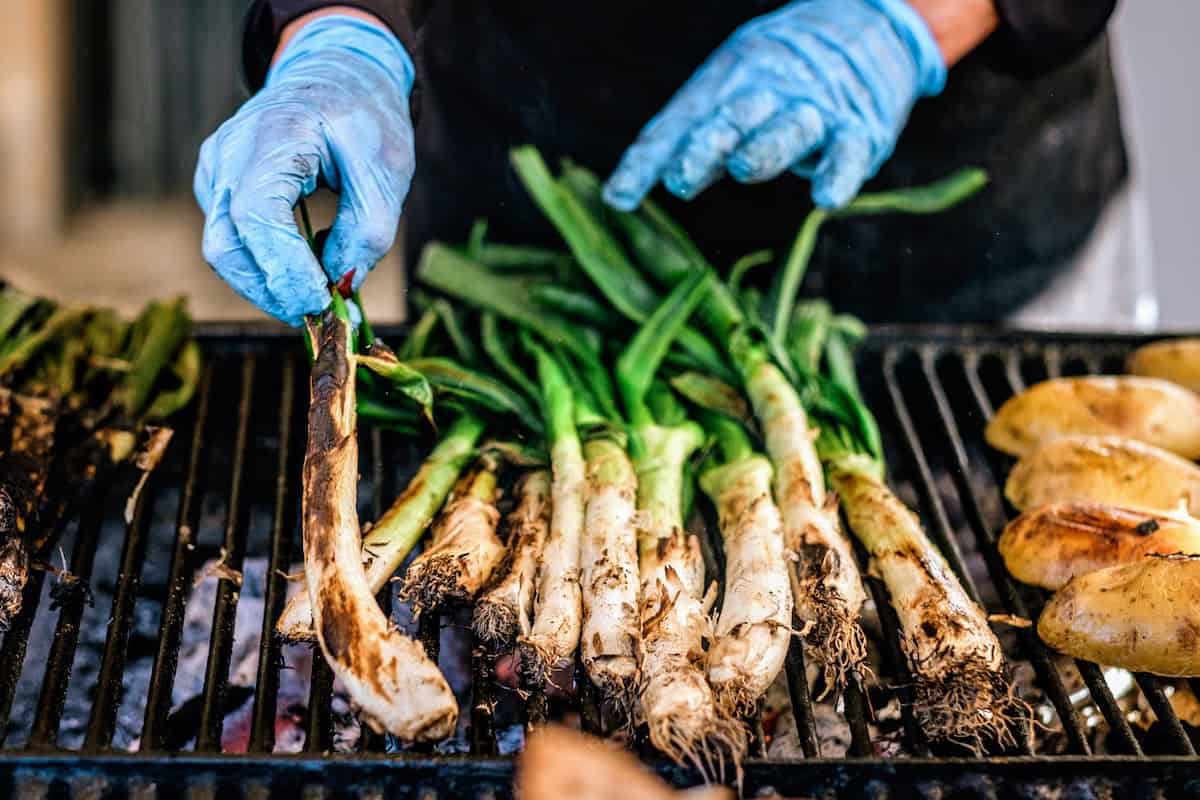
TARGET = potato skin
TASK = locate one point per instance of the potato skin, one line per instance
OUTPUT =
(1051, 544)
(1174, 360)
(1143, 616)
(1104, 469)
(1147, 409)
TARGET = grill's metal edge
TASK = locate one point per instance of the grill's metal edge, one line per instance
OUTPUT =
(487, 775)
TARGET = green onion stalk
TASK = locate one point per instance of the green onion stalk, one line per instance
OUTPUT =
(785, 392)
(557, 613)
(573, 390)
(504, 612)
(397, 688)
(827, 587)
(388, 542)
(609, 580)
(753, 628)
(684, 719)
(962, 693)
(611, 584)
(464, 550)
(611, 635)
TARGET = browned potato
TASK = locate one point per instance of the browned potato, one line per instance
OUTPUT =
(1051, 544)
(1143, 616)
(1147, 409)
(1174, 360)
(1104, 469)
(560, 763)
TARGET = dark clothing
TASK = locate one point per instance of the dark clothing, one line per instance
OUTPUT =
(580, 80)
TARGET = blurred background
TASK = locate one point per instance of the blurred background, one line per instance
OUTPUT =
(104, 104)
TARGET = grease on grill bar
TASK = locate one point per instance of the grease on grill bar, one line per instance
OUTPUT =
(173, 649)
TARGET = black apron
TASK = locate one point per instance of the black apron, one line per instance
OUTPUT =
(581, 79)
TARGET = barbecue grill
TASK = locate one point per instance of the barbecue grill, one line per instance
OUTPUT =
(89, 680)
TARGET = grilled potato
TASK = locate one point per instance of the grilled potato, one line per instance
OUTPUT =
(1147, 409)
(1104, 469)
(1143, 616)
(1051, 544)
(1174, 360)
(560, 763)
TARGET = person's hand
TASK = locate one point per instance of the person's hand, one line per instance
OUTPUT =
(334, 109)
(820, 87)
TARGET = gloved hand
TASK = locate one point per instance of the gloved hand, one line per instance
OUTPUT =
(821, 87)
(334, 108)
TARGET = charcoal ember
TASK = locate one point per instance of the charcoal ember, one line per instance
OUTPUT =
(292, 698)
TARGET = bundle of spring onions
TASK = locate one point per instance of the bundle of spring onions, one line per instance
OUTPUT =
(524, 365)
(82, 391)
(747, 371)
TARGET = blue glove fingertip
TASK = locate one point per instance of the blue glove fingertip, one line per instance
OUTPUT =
(681, 187)
(301, 299)
(836, 181)
(620, 196)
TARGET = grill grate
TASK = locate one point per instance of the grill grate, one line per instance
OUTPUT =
(229, 490)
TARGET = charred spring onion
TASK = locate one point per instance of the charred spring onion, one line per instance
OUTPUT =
(81, 392)
(557, 613)
(393, 536)
(962, 693)
(609, 647)
(685, 721)
(464, 550)
(504, 611)
(397, 688)
(753, 628)
(798, 374)
(827, 587)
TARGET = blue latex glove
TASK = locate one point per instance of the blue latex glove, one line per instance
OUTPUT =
(335, 108)
(820, 87)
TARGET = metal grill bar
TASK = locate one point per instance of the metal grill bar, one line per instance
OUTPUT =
(103, 719)
(802, 711)
(158, 701)
(262, 732)
(483, 676)
(48, 714)
(12, 653)
(1153, 692)
(589, 708)
(943, 533)
(233, 550)
(973, 505)
(319, 731)
(856, 709)
(896, 665)
(16, 640)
